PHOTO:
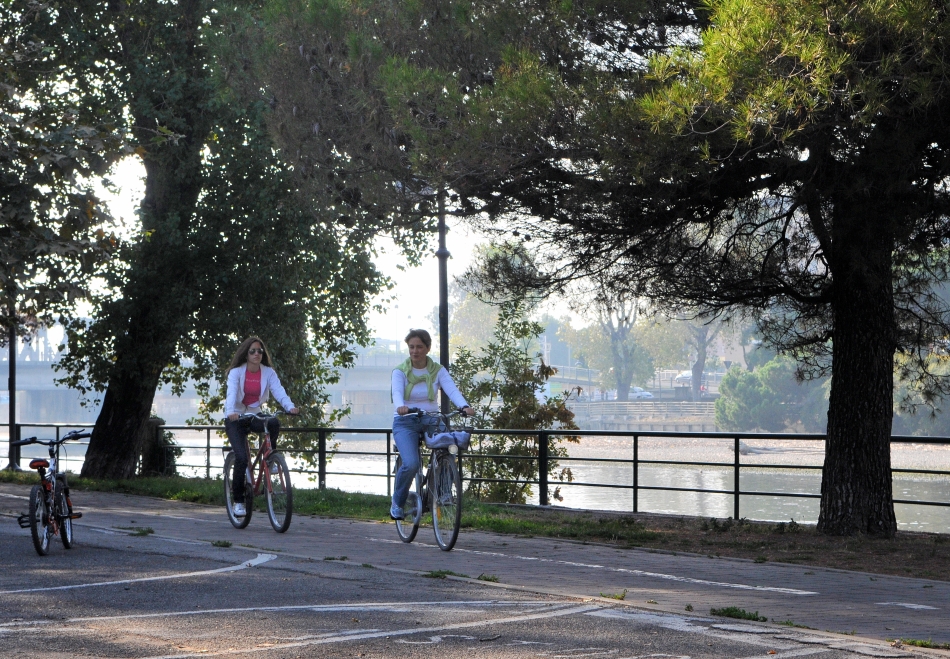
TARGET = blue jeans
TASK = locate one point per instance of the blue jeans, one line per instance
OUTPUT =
(407, 431)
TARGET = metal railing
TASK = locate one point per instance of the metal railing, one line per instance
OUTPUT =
(211, 444)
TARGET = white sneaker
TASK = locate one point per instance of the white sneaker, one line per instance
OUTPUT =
(239, 510)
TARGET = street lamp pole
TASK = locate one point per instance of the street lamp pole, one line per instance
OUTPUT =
(14, 451)
(443, 255)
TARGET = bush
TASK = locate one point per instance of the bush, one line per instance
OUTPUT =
(505, 384)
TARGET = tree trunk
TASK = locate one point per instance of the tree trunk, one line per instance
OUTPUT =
(699, 366)
(856, 494)
(160, 293)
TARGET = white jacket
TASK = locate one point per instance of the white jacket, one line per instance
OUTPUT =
(269, 383)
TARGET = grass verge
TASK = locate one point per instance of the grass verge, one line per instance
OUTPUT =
(737, 613)
(923, 555)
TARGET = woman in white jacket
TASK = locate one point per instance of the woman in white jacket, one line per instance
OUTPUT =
(251, 380)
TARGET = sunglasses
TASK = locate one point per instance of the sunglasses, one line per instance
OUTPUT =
(256, 351)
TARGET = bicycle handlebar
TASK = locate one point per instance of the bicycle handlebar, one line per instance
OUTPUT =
(265, 415)
(448, 415)
(71, 435)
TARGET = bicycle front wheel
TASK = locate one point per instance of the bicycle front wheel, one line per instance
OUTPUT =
(63, 512)
(280, 497)
(446, 494)
(40, 522)
(408, 527)
(237, 522)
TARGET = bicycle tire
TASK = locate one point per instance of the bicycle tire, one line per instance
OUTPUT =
(446, 497)
(40, 527)
(280, 495)
(236, 522)
(407, 528)
(63, 511)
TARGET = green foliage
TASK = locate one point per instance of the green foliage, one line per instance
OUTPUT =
(770, 399)
(54, 232)
(505, 385)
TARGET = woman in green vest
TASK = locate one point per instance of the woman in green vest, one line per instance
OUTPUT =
(415, 383)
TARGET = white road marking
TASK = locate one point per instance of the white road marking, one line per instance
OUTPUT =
(392, 607)
(690, 625)
(639, 573)
(907, 605)
(261, 558)
(13, 496)
(163, 538)
(561, 611)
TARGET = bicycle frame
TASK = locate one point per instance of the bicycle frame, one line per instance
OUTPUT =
(259, 462)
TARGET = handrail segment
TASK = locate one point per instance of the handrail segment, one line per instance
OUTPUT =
(327, 447)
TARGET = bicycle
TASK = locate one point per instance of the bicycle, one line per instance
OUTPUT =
(439, 491)
(273, 479)
(51, 510)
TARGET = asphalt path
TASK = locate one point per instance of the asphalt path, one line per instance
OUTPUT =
(331, 588)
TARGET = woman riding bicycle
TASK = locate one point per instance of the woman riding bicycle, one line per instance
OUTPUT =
(414, 384)
(251, 379)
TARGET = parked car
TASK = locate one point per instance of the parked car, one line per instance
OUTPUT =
(684, 378)
(639, 394)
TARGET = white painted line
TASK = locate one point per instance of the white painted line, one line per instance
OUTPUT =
(163, 538)
(13, 496)
(679, 623)
(393, 607)
(261, 558)
(639, 573)
(563, 611)
(907, 605)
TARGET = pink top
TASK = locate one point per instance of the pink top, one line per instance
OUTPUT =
(252, 389)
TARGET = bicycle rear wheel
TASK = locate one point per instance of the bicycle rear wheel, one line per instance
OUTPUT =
(280, 496)
(408, 527)
(63, 511)
(237, 522)
(40, 527)
(446, 492)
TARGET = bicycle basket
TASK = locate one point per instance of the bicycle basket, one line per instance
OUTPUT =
(459, 438)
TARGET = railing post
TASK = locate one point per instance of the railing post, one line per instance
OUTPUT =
(735, 495)
(543, 468)
(389, 465)
(208, 453)
(636, 471)
(322, 458)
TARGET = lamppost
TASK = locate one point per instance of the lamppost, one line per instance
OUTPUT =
(443, 256)
(14, 451)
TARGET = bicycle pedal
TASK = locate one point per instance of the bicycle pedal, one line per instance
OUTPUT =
(75, 515)
(23, 521)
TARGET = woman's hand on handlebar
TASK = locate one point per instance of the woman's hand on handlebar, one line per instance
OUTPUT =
(293, 411)
(468, 411)
(402, 410)
(233, 417)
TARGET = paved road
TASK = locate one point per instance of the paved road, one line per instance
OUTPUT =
(351, 588)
